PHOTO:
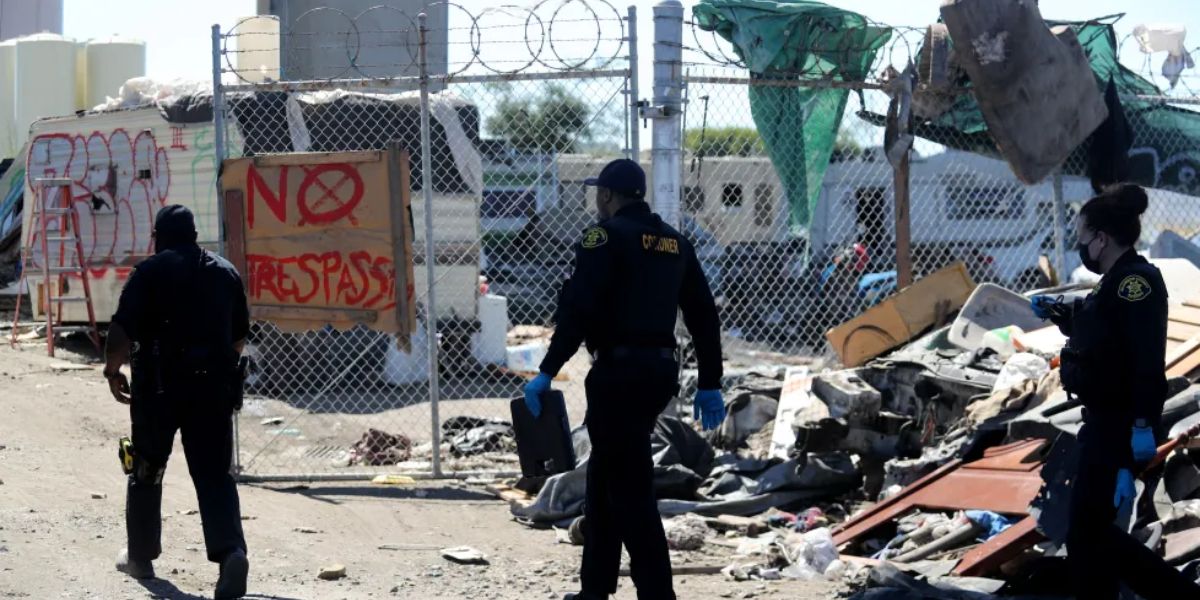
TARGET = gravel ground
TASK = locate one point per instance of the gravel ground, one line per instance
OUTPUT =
(61, 500)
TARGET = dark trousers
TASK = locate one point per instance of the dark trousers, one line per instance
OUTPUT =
(625, 397)
(207, 432)
(1100, 555)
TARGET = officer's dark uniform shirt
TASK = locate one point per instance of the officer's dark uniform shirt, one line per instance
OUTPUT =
(1114, 359)
(190, 302)
(632, 274)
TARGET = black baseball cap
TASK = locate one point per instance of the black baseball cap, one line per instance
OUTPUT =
(623, 176)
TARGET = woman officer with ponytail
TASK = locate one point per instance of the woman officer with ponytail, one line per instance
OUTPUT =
(1114, 364)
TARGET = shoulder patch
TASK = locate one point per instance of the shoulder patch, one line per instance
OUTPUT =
(1134, 288)
(594, 238)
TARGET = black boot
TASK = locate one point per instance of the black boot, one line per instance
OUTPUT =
(232, 582)
(584, 596)
(136, 569)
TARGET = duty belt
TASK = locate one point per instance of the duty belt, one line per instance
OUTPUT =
(626, 352)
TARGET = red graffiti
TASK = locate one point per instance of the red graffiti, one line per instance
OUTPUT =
(327, 194)
(120, 182)
(353, 280)
(177, 142)
(343, 206)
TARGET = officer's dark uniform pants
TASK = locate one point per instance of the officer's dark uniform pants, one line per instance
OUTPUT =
(207, 434)
(1100, 555)
(625, 397)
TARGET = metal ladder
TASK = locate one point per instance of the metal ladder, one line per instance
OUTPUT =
(56, 220)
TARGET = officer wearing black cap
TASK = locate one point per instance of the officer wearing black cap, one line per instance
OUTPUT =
(633, 273)
(182, 322)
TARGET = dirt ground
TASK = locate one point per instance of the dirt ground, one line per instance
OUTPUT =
(61, 525)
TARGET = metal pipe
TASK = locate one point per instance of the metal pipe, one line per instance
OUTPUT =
(316, 85)
(218, 132)
(635, 143)
(367, 476)
(1060, 243)
(430, 255)
(667, 134)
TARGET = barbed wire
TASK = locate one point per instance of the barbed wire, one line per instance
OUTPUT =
(383, 41)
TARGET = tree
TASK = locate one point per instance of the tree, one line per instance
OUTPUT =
(553, 122)
(724, 141)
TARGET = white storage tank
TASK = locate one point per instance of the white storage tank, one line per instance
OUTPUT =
(45, 80)
(81, 76)
(257, 45)
(8, 75)
(110, 63)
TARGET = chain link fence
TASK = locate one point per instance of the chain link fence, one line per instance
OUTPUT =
(523, 105)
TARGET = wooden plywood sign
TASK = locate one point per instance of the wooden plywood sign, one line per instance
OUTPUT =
(323, 239)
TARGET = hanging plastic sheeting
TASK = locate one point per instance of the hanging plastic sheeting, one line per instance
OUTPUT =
(1165, 151)
(796, 40)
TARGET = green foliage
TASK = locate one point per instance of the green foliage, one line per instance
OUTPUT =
(553, 122)
(724, 141)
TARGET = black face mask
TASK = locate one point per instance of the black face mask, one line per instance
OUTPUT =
(1089, 263)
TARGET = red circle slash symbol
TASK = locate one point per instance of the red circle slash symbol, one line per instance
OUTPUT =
(343, 206)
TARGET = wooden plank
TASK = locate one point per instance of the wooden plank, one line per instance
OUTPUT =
(235, 231)
(1178, 351)
(316, 158)
(902, 316)
(1181, 332)
(267, 312)
(1185, 314)
(904, 268)
(399, 194)
(1185, 366)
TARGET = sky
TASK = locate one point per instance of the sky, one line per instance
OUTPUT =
(179, 39)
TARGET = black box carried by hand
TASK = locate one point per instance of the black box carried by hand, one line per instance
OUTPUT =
(543, 443)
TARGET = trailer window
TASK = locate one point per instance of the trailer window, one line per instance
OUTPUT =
(764, 203)
(731, 195)
(964, 203)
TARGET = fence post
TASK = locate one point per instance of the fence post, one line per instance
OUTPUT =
(1060, 248)
(235, 466)
(430, 257)
(667, 136)
(635, 142)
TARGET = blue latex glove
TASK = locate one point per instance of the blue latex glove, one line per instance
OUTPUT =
(1125, 491)
(1041, 305)
(709, 408)
(533, 393)
(1144, 446)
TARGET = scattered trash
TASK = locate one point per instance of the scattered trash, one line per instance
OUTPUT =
(271, 421)
(464, 555)
(393, 480)
(332, 572)
(306, 530)
(99, 495)
(378, 448)
(685, 532)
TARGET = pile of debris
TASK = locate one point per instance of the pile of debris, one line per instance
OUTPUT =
(919, 467)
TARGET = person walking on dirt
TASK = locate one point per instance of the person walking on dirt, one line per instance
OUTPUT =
(182, 321)
(633, 273)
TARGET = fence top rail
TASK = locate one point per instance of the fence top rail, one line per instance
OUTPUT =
(412, 83)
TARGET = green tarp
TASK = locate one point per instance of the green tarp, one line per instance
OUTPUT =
(1166, 139)
(796, 40)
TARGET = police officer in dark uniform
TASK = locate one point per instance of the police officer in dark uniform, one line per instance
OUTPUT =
(632, 275)
(1114, 364)
(182, 320)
